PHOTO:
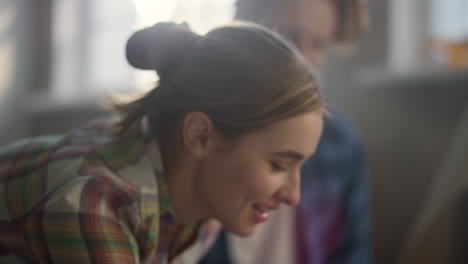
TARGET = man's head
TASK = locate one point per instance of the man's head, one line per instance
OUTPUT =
(312, 25)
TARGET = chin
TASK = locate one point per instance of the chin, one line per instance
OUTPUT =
(242, 231)
(241, 224)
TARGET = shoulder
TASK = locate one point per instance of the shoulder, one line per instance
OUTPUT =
(31, 169)
(339, 131)
(338, 153)
(95, 211)
(95, 192)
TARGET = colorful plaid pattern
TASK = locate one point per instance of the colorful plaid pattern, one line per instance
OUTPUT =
(88, 197)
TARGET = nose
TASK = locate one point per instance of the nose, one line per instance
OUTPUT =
(290, 193)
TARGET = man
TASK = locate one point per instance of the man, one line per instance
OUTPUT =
(331, 223)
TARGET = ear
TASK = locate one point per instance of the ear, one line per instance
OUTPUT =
(197, 132)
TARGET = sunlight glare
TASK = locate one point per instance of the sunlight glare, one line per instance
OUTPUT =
(150, 12)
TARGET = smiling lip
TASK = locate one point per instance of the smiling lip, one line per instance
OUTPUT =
(261, 212)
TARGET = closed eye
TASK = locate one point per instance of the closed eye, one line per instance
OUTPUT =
(277, 167)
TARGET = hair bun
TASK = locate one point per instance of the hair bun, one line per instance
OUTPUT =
(160, 47)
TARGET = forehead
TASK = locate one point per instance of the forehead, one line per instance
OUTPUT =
(299, 134)
(318, 16)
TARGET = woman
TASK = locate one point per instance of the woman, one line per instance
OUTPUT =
(222, 136)
(331, 223)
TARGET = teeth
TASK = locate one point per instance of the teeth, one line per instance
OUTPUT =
(265, 214)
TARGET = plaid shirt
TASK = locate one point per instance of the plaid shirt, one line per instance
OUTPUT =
(88, 197)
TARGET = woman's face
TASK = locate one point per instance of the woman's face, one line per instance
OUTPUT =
(241, 182)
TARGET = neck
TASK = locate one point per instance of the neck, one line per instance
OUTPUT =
(180, 171)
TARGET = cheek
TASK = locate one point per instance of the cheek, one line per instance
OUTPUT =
(254, 179)
(244, 177)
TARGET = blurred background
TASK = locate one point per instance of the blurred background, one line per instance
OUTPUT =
(405, 85)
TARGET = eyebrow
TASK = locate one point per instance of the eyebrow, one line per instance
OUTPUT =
(289, 154)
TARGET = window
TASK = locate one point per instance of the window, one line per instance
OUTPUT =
(428, 34)
(89, 37)
(449, 32)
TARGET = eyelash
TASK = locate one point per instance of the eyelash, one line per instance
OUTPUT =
(276, 167)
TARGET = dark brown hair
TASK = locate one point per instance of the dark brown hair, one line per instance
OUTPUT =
(243, 76)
